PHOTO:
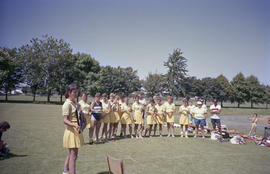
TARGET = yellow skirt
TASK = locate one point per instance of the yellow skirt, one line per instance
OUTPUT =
(138, 118)
(72, 138)
(114, 117)
(160, 119)
(106, 118)
(126, 118)
(88, 120)
(184, 120)
(151, 119)
(170, 117)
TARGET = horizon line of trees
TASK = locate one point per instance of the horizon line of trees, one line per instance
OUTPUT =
(47, 65)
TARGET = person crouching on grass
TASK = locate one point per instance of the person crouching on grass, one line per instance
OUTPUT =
(72, 139)
(96, 109)
(184, 119)
(169, 109)
(151, 116)
(4, 148)
(199, 114)
(86, 111)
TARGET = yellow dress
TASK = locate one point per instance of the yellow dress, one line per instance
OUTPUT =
(126, 116)
(104, 114)
(71, 138)
(137, 115)
(151, 116)
(169, 110)
(160, 117)
(184, 119)
(114, 115)
(85, 109)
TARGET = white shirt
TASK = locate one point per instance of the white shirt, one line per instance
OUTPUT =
(215, 108)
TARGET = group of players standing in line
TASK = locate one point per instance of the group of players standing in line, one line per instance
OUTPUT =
(110, 112)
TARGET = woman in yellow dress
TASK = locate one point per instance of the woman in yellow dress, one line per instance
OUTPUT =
(126, 117)
(169, 109)
(184, 119)
(116, 117)
(120, 112)
(137, 109)
(85, 107)
(72, 139)
(151, 116)
(105, 114)
(111, 101)
(160, 115)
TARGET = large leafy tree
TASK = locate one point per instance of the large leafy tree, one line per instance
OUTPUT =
(154, 84)
(266, 97)
(255, 91)
(211, 88)
(239, 89)
(177, 71)
(194, 87)
(118, 80)
(10, 70)
(225, 90)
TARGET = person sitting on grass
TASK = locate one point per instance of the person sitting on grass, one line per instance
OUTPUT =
(4, 148)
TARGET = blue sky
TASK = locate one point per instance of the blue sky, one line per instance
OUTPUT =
(216, 36)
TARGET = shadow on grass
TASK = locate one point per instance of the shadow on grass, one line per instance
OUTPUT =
(103, 172)
(244, 107)
(12, 155)
(31, 102)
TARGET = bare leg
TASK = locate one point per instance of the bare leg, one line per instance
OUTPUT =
(172, 129)
(155, 129)
(150, 129)
(124, 129)
(66, 166)
(91, 130)
(146, 130)
(196, 130)
(168, 127)
(181, 130)
(202, 131)
(72, 160)
(130, 130)
(140, 131)
(97, 130)
(160, 130)
(186, 131)
(136, 130)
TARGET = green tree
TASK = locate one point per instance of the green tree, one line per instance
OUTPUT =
(118, 80)
(212, 88)
(194, 87)
(255, 91)
(154, 84)
(225, 90)
(177, 71)
(239, 89)
(32, 65)
(10, 70)
(266, 97)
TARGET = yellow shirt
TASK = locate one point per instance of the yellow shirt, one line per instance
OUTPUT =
(151, 109)
(160, 109)
(191, 108)
(183, 110)
(85, 107)
(125, 108)
(169, 107)
(137, 107)
(199, 113)
(105, 106)
(69, 109)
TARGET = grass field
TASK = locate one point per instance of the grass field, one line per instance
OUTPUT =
(36, 135)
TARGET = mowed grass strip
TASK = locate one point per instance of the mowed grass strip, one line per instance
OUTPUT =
(36, 135)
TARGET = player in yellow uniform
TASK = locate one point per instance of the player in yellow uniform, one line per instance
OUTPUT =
(116, 117)
(126, 118)
(151, 116)
(160, 115)
(184, 120)
(72, 139)
(254, 121)
(86, 111)
(121, 103)
(105, 114)
(112, 117)
(169, 109)
(137, 109)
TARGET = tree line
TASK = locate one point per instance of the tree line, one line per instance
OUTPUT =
(47, 65)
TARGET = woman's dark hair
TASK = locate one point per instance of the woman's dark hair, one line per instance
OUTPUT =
(104, 95)
(84, 93)
(4, 125)
(97, 95)
(70, 88)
